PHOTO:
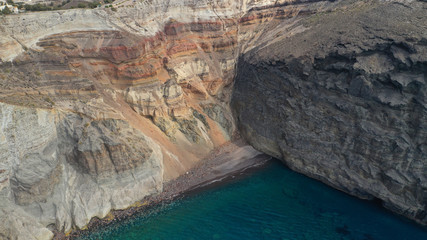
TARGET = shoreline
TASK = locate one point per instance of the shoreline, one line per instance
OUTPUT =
(219, 167)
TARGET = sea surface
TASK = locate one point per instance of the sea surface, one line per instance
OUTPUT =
(270, 203)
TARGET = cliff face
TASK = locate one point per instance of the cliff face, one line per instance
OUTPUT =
(99, 108)
(64, 168)
(345, 102)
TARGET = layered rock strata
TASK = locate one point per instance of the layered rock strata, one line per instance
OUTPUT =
(99, 108)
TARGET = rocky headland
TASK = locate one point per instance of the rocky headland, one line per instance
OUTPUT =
(101, 108)
(345, 102)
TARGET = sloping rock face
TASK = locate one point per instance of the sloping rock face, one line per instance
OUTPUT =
(345, 101)
(100, 108)
(63, 169)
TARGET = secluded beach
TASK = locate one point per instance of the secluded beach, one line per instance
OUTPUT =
(222, 163)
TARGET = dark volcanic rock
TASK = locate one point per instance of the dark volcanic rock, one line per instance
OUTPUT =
(344, 101)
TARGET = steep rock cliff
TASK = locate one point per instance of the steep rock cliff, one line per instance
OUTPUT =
(100, 108)
(345, 101)
(63, 169)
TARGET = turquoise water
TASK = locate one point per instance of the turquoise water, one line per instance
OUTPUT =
(272, 203)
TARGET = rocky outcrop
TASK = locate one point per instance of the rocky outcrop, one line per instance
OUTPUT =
(99, 108)
(63, 169)
(345, 101)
